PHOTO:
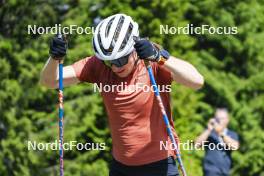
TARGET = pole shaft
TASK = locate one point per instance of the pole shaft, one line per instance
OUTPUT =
(61, 114)
(165, 118)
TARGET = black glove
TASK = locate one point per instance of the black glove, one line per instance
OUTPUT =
(146, 50)
(58, 48)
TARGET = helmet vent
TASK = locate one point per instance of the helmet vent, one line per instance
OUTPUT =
(118, 29)
(128, 36)
(108, 27)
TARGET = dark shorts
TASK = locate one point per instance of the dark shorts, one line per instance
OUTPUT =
(166, 167)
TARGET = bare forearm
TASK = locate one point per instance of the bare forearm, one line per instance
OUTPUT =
(203, 137)
(231, 143)
(49, 74)
(184, 73)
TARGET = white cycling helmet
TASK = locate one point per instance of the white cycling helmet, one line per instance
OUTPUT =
(113, 37)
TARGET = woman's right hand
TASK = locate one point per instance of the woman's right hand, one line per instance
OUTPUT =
(58, 48)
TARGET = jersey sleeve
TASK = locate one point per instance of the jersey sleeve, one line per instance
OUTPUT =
(86, 69)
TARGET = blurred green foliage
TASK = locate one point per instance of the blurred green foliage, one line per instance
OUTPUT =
(231, 64)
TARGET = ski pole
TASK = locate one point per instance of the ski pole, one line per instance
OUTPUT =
(165, 118)
(61, 113)
(164, 114)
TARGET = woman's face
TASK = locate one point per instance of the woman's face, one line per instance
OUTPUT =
(125, 70)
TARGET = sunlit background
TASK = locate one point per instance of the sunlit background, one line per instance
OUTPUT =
(232, 65)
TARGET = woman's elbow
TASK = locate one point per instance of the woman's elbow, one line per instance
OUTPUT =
(198, 82)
